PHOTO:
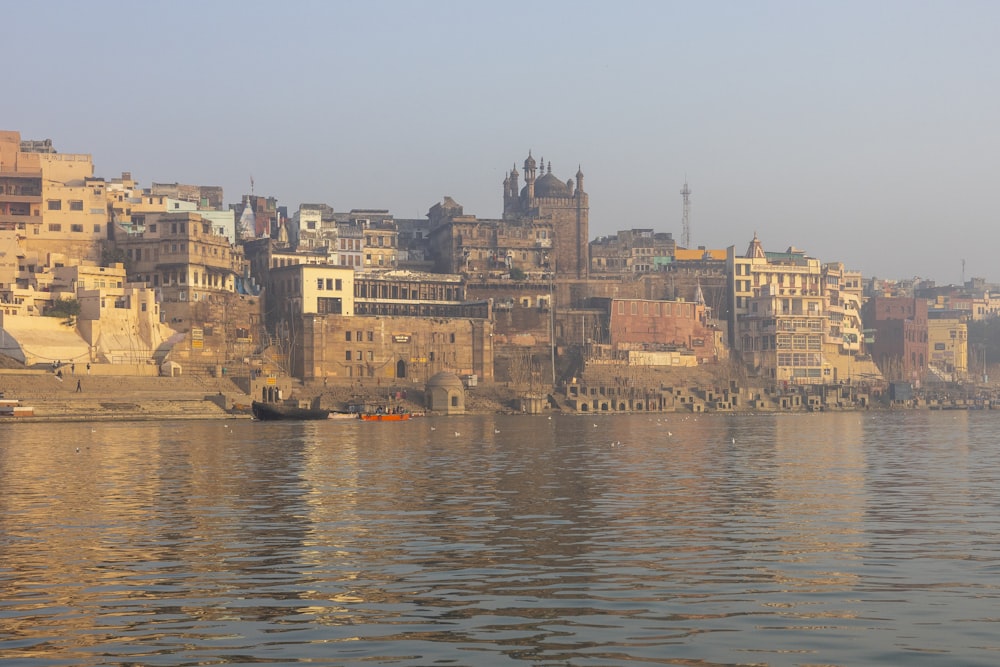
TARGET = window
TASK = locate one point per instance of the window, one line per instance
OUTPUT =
(371, 336)
(55, 227)
(152, 227)
(329, 306)
(319, 283)
(347, 355)
(75, 205)
(97, 229)
(76, 228)
(347, 336)
(339, 284)
(451, 338)
(54, 205)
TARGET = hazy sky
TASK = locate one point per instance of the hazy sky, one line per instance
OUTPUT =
(861, 132)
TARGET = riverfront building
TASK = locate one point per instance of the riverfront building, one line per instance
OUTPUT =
(794, 320)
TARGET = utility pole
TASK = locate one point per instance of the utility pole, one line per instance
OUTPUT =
(686, 219)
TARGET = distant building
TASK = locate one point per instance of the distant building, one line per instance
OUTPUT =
(656, 326)
(632, 251)
(948, 343)
(181, 256)
(486, 248)
(899, 327)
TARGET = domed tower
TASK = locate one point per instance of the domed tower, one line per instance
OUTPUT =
(546, 198)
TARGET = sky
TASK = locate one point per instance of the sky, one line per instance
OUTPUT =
(861, 132)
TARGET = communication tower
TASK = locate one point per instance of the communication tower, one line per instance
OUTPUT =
(686, 219)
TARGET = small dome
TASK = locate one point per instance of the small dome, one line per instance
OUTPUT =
(445, 379)
(550, 186)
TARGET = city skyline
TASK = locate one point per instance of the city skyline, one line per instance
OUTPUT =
(860, 133)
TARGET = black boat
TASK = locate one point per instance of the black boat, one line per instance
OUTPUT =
(277, 411)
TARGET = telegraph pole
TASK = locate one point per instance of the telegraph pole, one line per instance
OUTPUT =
(686, 219)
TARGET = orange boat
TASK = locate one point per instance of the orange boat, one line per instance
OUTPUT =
(385, 417)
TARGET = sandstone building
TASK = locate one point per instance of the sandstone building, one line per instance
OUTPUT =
(564, 205)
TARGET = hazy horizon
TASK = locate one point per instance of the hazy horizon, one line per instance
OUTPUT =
(859, 132)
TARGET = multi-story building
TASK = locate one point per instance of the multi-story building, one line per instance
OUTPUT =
(482, 248)
(948, 343)
(794, 320)
(381, 246)
(314, 226)
(655, 325)
(899, 328)
(51, 199)
(180, 256)
(391, 326)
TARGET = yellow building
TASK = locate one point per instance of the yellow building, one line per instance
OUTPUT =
(51, 198)
(948, 343)
(320, 289)
(381, 246)
(795, 320)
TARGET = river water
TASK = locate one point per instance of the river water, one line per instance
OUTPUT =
(821, 539)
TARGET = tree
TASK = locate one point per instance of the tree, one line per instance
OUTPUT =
(65, 308)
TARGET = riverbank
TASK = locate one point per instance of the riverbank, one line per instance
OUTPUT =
(111, 393)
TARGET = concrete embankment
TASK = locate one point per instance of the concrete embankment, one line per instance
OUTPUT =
(120, 397)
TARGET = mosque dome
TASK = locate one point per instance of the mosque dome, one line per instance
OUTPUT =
(550, 186)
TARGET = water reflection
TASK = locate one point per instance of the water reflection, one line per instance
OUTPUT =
(851, 538)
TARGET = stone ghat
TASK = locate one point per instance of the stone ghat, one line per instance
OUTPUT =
(110, 398)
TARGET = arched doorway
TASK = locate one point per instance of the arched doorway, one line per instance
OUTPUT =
(401, 369)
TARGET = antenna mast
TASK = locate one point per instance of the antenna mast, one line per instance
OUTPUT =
(686, 219)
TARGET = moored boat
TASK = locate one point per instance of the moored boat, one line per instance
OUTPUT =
(11, 407)
(279, 411)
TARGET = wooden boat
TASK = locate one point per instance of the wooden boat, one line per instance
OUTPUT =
(385, 417)
(279, 411)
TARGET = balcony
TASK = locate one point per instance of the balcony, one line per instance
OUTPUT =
(21, 198)
(9, 219)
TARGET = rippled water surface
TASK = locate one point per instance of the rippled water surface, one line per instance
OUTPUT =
(768, 540)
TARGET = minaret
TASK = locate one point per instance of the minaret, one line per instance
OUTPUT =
(579, 180)
(529, 178)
